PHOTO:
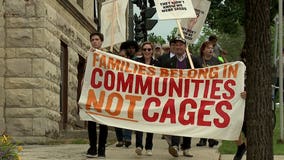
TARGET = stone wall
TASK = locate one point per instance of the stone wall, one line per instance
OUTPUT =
(30, 68)
(2, 68)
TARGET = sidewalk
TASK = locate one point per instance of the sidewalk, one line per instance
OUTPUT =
(77, 152)
(160, 152)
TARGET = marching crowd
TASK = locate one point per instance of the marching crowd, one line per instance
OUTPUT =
(172, 55)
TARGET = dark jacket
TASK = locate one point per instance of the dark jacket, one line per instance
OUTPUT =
(206, 63)
(163, 60)
(173, 61)
(142, 60)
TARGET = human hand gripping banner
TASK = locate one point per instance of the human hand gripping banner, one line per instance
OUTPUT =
(201, 102)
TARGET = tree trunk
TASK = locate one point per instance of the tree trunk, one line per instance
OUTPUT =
(258, 86)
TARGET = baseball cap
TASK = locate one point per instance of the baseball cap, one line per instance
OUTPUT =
(158, 46)
(165, 46)
(179, 39)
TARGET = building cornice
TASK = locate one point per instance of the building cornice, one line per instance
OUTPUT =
(78, 16)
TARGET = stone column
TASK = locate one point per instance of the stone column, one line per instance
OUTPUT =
(32, 73)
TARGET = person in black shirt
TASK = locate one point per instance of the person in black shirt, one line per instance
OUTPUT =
(96, 40)
(147, 58)
(207, 59)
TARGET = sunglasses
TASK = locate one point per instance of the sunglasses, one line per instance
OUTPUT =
(147, 49)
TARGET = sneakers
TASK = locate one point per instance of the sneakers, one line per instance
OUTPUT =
(91, 153)
(102, 157)
(202, 142)
(119, 144)
(149, 152)
(173, 150)
(101, 152)
(186, 153)
(212, 143)
(127, 143)
(138, 151)
(240, 152)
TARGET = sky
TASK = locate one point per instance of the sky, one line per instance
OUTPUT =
(162, 28)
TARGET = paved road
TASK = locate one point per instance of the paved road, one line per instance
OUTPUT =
(160, 152)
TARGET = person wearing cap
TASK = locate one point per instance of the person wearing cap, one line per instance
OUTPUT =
(180, 61)
(165, 58)
(162, 61)
(166, 48)
(158, 51)
(217, 49)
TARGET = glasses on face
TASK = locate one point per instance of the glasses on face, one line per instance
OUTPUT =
(147, 49)
(209, 47)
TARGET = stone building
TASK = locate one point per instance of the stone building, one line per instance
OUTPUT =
(42, 49)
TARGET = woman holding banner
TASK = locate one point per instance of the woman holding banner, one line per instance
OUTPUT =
(207, 59)
(147, 58)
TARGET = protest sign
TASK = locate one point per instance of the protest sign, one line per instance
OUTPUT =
(191, 27)
(113, 22)
(174, 9)
(202, 102)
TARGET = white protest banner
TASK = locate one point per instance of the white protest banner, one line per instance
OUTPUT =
(202, 102)
(174, 9)
(113, 22)
(191, 27)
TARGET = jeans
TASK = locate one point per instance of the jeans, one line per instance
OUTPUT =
(92, 132)
(123, 134)
(186, 142)
(149, 140)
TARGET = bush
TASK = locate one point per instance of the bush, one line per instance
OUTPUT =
(9, 150)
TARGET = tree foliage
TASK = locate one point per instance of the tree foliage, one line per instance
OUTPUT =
(156, 39)
(232, 43)
(172, 34)
(225, 15)
(226, 19)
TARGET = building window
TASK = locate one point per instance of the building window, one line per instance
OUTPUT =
(80, 3)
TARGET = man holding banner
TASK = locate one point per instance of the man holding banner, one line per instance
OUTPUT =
(96, 40)
(179, 61)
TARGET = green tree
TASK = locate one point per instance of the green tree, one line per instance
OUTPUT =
(227, 19)
(172, 34)
(156, 39)
(225, 15)
(232, 43)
